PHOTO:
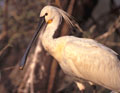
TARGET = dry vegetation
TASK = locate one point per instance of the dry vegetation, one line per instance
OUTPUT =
(42, 74)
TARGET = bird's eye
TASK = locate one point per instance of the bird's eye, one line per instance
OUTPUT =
(46, 14)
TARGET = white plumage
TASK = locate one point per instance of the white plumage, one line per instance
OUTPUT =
(81, 58)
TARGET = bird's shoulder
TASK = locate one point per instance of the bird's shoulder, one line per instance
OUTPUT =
(88, 46)
(79, 44)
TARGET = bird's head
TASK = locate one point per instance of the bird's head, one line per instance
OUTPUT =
(51, 16)
(50, 13)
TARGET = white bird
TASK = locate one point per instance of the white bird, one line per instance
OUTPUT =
(85, 60)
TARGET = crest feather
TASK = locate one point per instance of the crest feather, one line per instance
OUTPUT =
(69, 19)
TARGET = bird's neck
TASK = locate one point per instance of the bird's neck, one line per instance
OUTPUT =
(47, 37)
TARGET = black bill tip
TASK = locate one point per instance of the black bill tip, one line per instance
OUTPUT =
(21, 67)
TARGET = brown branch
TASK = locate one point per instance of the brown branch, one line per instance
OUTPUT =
(92, 28)
(111, 29)
(5, 20)
(3, 35)
(70, 9)
(112, 43)
(5, 13)
(3, 50)
(53, 72)
(30, 73)
(57, 2)
(8, 68)
(23, 81)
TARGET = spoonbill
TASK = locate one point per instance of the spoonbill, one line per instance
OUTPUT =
(85, 60)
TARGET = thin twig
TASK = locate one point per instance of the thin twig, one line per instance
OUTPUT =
(29, 75)
(3, 50)
(111, 29)
(92, 28)
(8, 68)
(112, 43)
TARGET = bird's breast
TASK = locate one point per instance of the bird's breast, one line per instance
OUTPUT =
(57, 53)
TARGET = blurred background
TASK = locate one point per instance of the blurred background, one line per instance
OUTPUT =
(99, 20)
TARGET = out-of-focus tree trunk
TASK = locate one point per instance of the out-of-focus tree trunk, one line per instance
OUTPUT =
(83, 9)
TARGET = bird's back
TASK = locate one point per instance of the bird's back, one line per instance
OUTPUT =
(92, 61)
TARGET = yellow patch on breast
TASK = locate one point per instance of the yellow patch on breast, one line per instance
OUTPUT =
(58, 51)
